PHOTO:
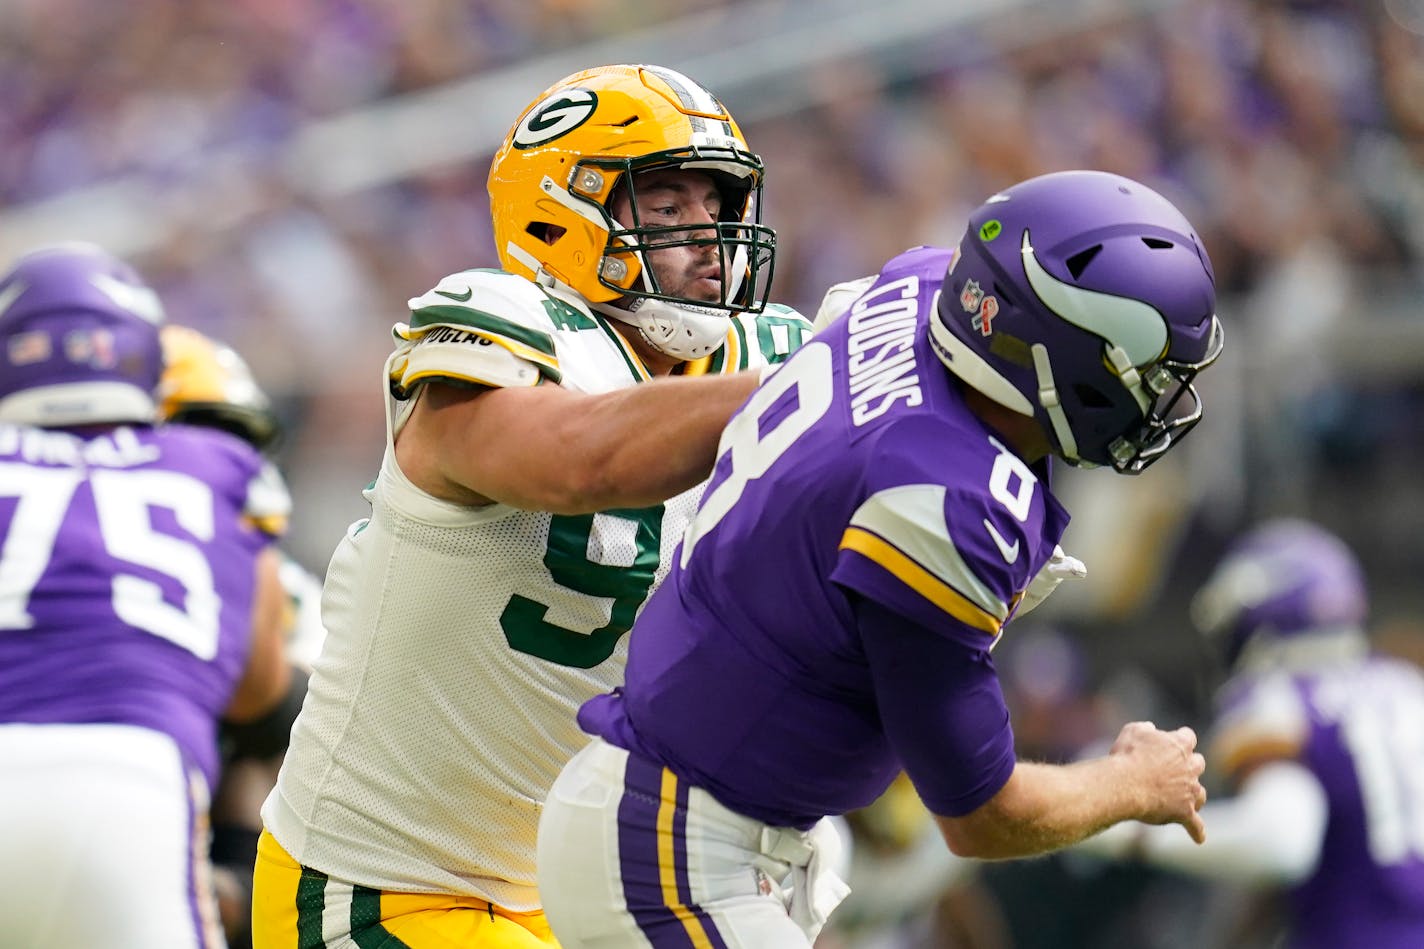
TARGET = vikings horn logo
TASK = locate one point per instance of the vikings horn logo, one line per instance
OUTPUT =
(1133, 326)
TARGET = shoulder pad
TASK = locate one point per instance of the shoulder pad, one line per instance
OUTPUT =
(838, 299)
(486, 327)
(905, 531)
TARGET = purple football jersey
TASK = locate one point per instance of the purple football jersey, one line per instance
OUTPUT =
(1359, 727)
(856, 474)
(127, 575)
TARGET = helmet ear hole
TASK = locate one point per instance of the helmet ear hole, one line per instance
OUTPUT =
(1079, 262)
(542, 230)
(1091, 397)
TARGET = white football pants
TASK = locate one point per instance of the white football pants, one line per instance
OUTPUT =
(103, 846)
(629, 855)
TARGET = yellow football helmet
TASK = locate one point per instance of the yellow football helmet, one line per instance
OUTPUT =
(551, 182)
(207, 383)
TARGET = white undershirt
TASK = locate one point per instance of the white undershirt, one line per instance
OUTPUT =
(1270, 832)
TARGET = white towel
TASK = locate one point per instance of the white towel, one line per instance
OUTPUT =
(816, 862)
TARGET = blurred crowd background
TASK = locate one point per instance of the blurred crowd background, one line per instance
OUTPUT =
(289, 172)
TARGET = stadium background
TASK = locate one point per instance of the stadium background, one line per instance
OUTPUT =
(289, 172)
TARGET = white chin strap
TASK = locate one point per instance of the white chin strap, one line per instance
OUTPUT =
(1052, 404)
(674, 329)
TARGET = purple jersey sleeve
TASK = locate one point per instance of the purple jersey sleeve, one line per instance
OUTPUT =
(942, 709)
(954, 539)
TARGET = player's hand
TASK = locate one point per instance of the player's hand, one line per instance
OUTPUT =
(1166, 769)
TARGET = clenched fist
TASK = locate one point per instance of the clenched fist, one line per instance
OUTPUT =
(1164, 769)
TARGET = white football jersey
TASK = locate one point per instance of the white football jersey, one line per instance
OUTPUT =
(463, 640)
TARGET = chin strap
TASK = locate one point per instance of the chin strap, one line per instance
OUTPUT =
(1052, 404)
(1131, 378)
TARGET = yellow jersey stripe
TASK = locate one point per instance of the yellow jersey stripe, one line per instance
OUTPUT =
(273, 525)
(695, 367)
(415, 377)
(667, 870)
(919, 579)
(549, 363)
(521, 350)
(911, 517)
(736, 349)
(710, 364)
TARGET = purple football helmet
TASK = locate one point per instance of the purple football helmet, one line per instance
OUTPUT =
(1085, 300)
(1286, 578)
(78, 340)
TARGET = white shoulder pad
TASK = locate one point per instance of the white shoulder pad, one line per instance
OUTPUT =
(838, 299)
(486, 327)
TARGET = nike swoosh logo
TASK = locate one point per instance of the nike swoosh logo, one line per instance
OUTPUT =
(1009, 551)
(458, 297)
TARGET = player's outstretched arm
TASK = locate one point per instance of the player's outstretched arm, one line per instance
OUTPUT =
(547, 448)
(1149, 775)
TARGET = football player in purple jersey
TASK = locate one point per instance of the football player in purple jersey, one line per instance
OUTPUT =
(139, 607)
(1322, 741)
(878, 512)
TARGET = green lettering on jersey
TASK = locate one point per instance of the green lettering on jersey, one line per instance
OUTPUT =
(567, 316)
(528, 631)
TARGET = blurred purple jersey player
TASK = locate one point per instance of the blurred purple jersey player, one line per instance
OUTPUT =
(138, 606)
(1322, 741)
(872, 523)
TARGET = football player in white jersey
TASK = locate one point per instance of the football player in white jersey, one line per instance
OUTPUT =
(549, 426)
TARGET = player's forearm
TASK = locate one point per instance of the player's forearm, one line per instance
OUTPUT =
(644, 444)
(547, 448)
(1044, 808)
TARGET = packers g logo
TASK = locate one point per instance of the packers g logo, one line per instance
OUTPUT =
(557, 115)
